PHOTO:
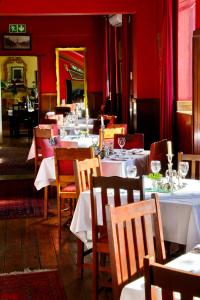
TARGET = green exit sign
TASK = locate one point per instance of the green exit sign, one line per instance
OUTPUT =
(17, 28)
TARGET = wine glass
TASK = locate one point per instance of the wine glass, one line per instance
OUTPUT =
(183, 168)
(155, 166)
(131, 171)
(121, 143)
(76, 130)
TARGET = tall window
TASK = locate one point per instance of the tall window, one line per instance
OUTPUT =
(186, 26)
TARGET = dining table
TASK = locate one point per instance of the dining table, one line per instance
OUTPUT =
(114, 164)
(180, 212)
(189, 262)
(70, 141)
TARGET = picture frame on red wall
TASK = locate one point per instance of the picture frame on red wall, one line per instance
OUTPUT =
(16, 41)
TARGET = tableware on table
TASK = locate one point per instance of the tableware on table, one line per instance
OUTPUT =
(76, 130)
(183, 168)
(121, 143)
(131, 171)
(155, 166)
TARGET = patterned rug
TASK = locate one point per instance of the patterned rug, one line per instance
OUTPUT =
(41, 285)
(23, 208)
(13, 160)
(19, 199)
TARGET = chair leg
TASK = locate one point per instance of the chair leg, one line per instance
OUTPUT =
(59, 216)
(46, 202)
(80, 257)
(95, 276)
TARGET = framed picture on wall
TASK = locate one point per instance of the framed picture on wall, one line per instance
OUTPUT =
(17, 74)
(16, 41)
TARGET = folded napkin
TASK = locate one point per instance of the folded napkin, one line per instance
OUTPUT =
(196, 249)
(136, 151)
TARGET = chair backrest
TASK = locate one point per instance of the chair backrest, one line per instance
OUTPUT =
(158, 151)
(116, 184)
(169, 280)
(111, 118)
(40, 136)
(135, 140)
(131, 232)
(58, 117)
(194, 163)
(83, 170)
(107, 134)
(64, 163)
(53, 126)
(45, 141)
(115, 126)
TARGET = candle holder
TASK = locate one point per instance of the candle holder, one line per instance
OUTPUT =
(102, 131)
(87, 123)
(170, 173)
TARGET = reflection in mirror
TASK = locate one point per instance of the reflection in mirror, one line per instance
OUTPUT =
(19, 94)
(71, 76)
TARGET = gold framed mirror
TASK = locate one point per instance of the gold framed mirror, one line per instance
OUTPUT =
(71, 84)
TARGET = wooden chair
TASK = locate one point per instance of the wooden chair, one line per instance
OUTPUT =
(40, 134)
(194, 163)
(99, 232)
(65, 178)
(124, 126)
(43, 148)
(107, 135)
(111, 118)
(135, 140)
(83, 170)
(158, 151)
(58, 117)
(169, 280)
(131, 237)
(51, 125)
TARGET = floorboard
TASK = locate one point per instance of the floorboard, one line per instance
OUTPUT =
(33, 243)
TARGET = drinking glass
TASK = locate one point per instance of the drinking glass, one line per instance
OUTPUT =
(131, 171)
(183, 168)
(76, 130)
(121, 143)
(155, 166)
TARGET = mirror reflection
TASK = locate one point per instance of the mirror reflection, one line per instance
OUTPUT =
(19, 94)
(71, 76)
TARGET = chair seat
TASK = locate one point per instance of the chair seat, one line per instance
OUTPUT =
(69, 188)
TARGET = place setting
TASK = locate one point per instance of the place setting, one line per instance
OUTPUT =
(174, 180)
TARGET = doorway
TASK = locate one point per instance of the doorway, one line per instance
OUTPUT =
(19, 95)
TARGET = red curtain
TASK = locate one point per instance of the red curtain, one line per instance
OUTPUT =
(106, 75)
(166, 97)
(125, 69)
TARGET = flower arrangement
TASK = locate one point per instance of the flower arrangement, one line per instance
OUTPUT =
(155, 176)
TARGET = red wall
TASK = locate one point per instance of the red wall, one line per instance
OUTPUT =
(50, 32)
(64, 31)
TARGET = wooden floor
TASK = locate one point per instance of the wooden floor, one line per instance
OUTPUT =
(33, 243)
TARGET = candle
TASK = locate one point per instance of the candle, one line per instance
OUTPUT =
(102, 121)
(169, 148)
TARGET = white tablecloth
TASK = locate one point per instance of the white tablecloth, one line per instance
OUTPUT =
(46, 172)
(70, 141)
(180, 213)
(188, 262)
(118, 167)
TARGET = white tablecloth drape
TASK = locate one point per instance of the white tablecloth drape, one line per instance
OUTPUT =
(70, 141)
(180, 213)
(188, 262)
(46, 172)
